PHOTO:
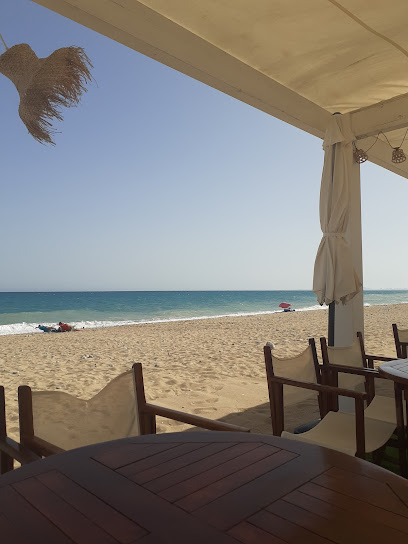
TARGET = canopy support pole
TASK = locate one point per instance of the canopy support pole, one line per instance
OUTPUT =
(349, 318)
(330, 334)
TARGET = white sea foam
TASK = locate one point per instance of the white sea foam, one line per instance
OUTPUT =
(31, 328)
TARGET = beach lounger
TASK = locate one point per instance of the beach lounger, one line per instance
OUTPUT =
(354, 434)
(54, 421)
(401, 341)
(10, 450)
(351, 368)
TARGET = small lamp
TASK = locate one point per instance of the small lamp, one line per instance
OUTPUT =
(360, 155)
(398, 155)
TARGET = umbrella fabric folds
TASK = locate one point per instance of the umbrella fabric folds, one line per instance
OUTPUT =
(284, 305)
(335, 278)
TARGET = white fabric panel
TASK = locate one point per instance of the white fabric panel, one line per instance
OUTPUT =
(301, 368)
(348, 356)
(340, 55)
(296, 60)
(337, 431)
(403, 335)
(383, 409)
(335, 279)
(69, 422)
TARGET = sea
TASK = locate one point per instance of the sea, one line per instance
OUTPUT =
(20, 313)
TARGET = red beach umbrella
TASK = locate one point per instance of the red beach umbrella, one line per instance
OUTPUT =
(284, 305)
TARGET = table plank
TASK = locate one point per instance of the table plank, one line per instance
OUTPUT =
(362, 488)
(176, 450)
(289, 532)
(114, 523)
(231, 480)
(69, 520)
(138, 504)
(36, 527)
(239, 504)
(365, 512)
(250, 534)
(11, 533)
(331, 522)
(179, 483)
(114, 457)
(158, 472)
(241, 459)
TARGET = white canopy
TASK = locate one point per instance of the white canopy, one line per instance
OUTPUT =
(299, 61)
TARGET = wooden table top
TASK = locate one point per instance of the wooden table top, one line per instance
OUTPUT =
(395, 370)
(203, 487)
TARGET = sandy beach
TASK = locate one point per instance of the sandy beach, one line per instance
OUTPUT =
(209, 367)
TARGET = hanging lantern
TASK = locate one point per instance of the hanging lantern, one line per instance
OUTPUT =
(360, 155)
(398, 155)
(45, 84)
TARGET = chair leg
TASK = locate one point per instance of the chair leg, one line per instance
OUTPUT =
(402, 442)
(360, 428)
(147, 423)
(378, 455)
(6, 462)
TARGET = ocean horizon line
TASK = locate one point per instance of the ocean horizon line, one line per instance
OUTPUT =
(196, 290)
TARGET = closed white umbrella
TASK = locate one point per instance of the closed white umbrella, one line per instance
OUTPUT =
(335, 278)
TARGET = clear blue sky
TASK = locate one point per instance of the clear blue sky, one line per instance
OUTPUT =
(160, 182)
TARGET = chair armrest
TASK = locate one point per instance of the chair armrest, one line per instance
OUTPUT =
(191, 419)
(368, 372)
(16, 451)
(320, 388)
(41, 447)
(379, 358)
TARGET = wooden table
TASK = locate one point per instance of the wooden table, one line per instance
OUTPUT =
(397, 371)
(203, 488)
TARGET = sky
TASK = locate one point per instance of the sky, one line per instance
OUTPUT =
(159, 182)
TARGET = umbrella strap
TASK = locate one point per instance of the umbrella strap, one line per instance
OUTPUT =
(4, 43)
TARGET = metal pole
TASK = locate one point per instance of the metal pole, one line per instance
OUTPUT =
(332, 311)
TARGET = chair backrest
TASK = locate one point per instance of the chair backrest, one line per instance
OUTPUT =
(401, 341)
(303, 367)
(68, 422)
(353, 355)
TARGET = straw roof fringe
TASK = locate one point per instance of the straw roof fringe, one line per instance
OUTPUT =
(45, 85)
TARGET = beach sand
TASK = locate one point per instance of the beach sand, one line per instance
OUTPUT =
(209, 367)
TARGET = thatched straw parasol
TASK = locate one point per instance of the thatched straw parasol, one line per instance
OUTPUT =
(45, 84)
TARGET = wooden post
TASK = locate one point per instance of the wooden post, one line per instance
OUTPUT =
(349, 317)
(6, 462)
(25, 413)
(147, 420)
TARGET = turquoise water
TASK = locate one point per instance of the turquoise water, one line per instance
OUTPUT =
(21, 312)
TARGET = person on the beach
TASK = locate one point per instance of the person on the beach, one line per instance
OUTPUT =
(45, 328)
(64, 327)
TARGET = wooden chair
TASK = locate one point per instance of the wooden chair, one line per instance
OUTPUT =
(53, 421)
(354, 434)
(351, 368)
(401, 341)
(10, 450)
